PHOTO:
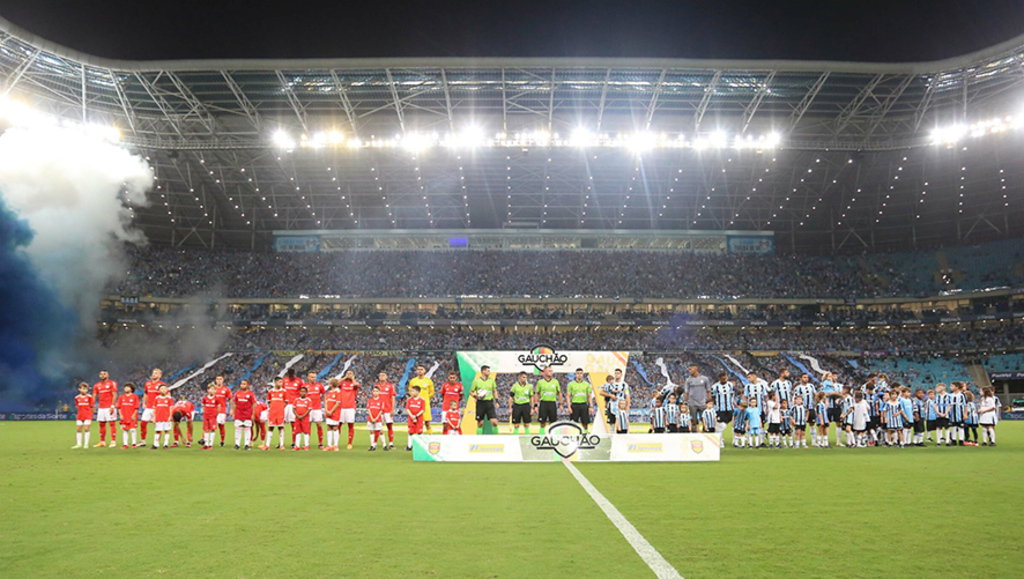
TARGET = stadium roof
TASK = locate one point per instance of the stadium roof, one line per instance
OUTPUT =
(243, 147)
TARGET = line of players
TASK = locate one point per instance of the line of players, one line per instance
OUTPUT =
(874, 414)
(290, 401)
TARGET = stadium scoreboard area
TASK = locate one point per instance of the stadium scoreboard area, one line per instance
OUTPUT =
(712, 242)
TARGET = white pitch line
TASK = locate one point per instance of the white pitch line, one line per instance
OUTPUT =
(662, 568)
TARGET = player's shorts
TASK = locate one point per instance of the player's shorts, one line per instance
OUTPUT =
(942, 422)
(185, 417)
(416, 426)
(348, 416)
(785, 430)
(316, 415)
(800, 426)
(740, 431)
(83, 422)
(724, 416)
(209, 423)
(371, 426)
(659, 430)
(835, 415)
(812, 416)
(128, 424)
(673, 428)
(264, 416)
(147, 415)
(301, 426)
(918, 426)
(163, 426)
(243, 423)
(696, 409)
(387, 418)
(579, 412)
(755, 430)
(520, 413)
(222, 418)
(106, 415)
(547, 412)
(332, 422)
(774, 428)
(872, 423)
(485, 409)
(956, 423)
(289, 413)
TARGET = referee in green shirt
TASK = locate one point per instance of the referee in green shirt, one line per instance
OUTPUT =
(484, 390)
(521, 399)
(581, 398)
(549, 392)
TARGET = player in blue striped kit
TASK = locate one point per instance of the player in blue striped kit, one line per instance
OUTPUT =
(739, 425)
(957, 409)
(930, 414)
(942, 401)
(783, 387)
(709, 418)
(658, 416)
(799, 414)
(722, 392)
(672, 414)
(821, 419)
(756, 389)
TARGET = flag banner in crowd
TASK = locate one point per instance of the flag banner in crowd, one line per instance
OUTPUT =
(199, 372)
(295, 359)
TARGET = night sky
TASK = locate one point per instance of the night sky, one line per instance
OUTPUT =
(764, 29)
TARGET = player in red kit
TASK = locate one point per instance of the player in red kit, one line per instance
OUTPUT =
(183, 411)
(105, 393)
(453, 419)
(211, 407)
(414, 408)
(150, 390)
(259, 423)
(83, 404)
(303, 406)
(332, 407)
(315, 390)
(128, 411)
(241, 408)
(223, 395)
(275, 414)
(162, 416)
(375, 416)
(349, 390)
(292, 383)
(451, 391)
(387, 392)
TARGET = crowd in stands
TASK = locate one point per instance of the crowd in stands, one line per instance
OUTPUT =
(168, 272)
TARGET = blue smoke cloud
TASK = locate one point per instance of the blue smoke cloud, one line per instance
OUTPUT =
(34, 326)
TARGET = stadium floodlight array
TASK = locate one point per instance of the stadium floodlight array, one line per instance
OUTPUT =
(580, 138)
(19, 114)
(953, 134)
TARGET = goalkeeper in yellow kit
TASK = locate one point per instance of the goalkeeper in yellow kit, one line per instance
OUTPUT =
(426, 391)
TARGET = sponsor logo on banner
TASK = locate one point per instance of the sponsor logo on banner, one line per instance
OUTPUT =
(644, 447)
(434, 447)
(541, 357)
(565, 438)
(486, 448)
(697, 446)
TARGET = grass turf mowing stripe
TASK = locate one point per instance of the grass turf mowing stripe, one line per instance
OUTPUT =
(195, 513)
(662, 569)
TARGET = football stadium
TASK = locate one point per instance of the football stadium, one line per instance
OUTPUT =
(471, 316)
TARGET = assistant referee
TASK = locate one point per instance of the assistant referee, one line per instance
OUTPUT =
(549, 392)
(581, 398)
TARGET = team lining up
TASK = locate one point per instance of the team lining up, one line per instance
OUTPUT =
(762, 414)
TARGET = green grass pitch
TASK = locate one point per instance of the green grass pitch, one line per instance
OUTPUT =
(933, 512)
